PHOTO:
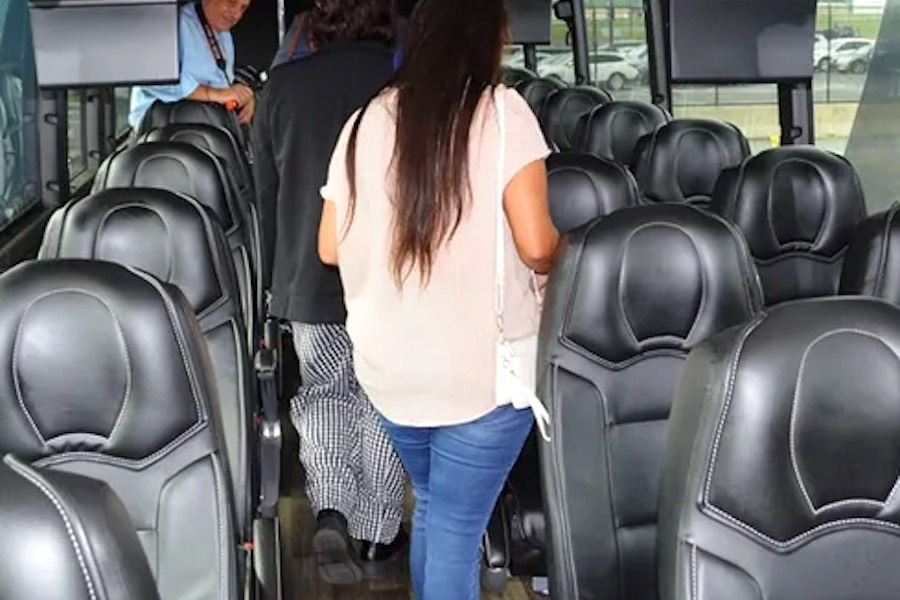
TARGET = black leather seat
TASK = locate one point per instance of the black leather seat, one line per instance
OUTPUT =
(681, 161)
(782, 462)
(67, 537)
(630, 295)
(797, 206)
(537, 91)
(161, 114)
(512, 76)
(562, 114)
(871, 265)
(192, 171)
(107, 376)
(581, 188)
(237, 170)
(173, 238)
(612, 130)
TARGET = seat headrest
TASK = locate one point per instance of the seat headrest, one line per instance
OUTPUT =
(168, 235)
(216, 140)
(563, 111)
(872, 262)
(792, 199)
(512, 76)
(581, 188)
(104, 360)
(67, 537)
(650, 278)
(174, 166)
(612, 130)
(681, 161)
(161, 114)
(807, 419)
(536, 91)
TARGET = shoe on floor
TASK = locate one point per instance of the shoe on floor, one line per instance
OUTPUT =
(334, 549)
(377, 560)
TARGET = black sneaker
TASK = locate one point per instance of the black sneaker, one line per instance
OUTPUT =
(378, 559)
(334, 549)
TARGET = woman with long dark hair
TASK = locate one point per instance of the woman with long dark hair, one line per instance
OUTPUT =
(412, 209)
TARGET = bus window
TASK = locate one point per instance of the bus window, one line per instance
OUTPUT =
(123, 101)
(77, 138)
(18, 135)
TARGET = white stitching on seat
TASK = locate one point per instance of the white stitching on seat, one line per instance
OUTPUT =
(15, 358)
(718, 512)
(57, 504)
(795, 464)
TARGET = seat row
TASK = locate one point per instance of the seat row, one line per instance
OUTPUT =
(149, 287)
(794, 208)
(703, 445)
(673, 160)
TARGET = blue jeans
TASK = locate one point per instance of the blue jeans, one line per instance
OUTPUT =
(457, 474)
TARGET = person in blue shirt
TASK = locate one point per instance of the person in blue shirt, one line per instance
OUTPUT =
(206, 59)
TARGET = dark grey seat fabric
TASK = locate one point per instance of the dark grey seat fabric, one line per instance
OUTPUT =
(681, 161)
(67, 537)
(189, 170)
(173, 238)
(612, 130)
(871, 266)
(781, 471)
(107, 376)
(561, 116)
(797, 207)
(629, 297)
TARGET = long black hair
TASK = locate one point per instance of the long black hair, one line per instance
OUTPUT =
(452, 54)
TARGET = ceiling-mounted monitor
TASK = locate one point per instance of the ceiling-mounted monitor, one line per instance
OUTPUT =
(529, 21)
(741, 41)
(92, 43)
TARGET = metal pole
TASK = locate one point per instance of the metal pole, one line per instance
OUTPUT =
(580, 43)
(281, 26)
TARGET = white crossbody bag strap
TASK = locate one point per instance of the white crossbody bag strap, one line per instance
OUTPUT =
(514, 390)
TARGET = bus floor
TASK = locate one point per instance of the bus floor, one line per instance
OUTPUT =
(300, 574)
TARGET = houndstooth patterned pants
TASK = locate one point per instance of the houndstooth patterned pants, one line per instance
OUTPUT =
(350, 463)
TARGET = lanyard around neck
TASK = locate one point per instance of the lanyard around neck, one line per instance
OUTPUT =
(211, 39)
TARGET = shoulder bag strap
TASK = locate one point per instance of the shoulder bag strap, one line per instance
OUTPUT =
(214, 47)
(500, 269)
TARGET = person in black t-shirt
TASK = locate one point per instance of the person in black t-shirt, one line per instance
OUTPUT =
(355, 481)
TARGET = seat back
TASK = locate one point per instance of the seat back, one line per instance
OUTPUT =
(581, 188)
(782, 461)
(108, 377)
(174, 239)
(189, 170)
(871, 265)
(562, 114)
(236, 169)
(537, 91)
(161, 114)
(612, 130)
(88, 547)
(681, 161)
(630, 295)
(513, 76)
(797, 206)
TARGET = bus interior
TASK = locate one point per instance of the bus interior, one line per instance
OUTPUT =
(719, 344)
